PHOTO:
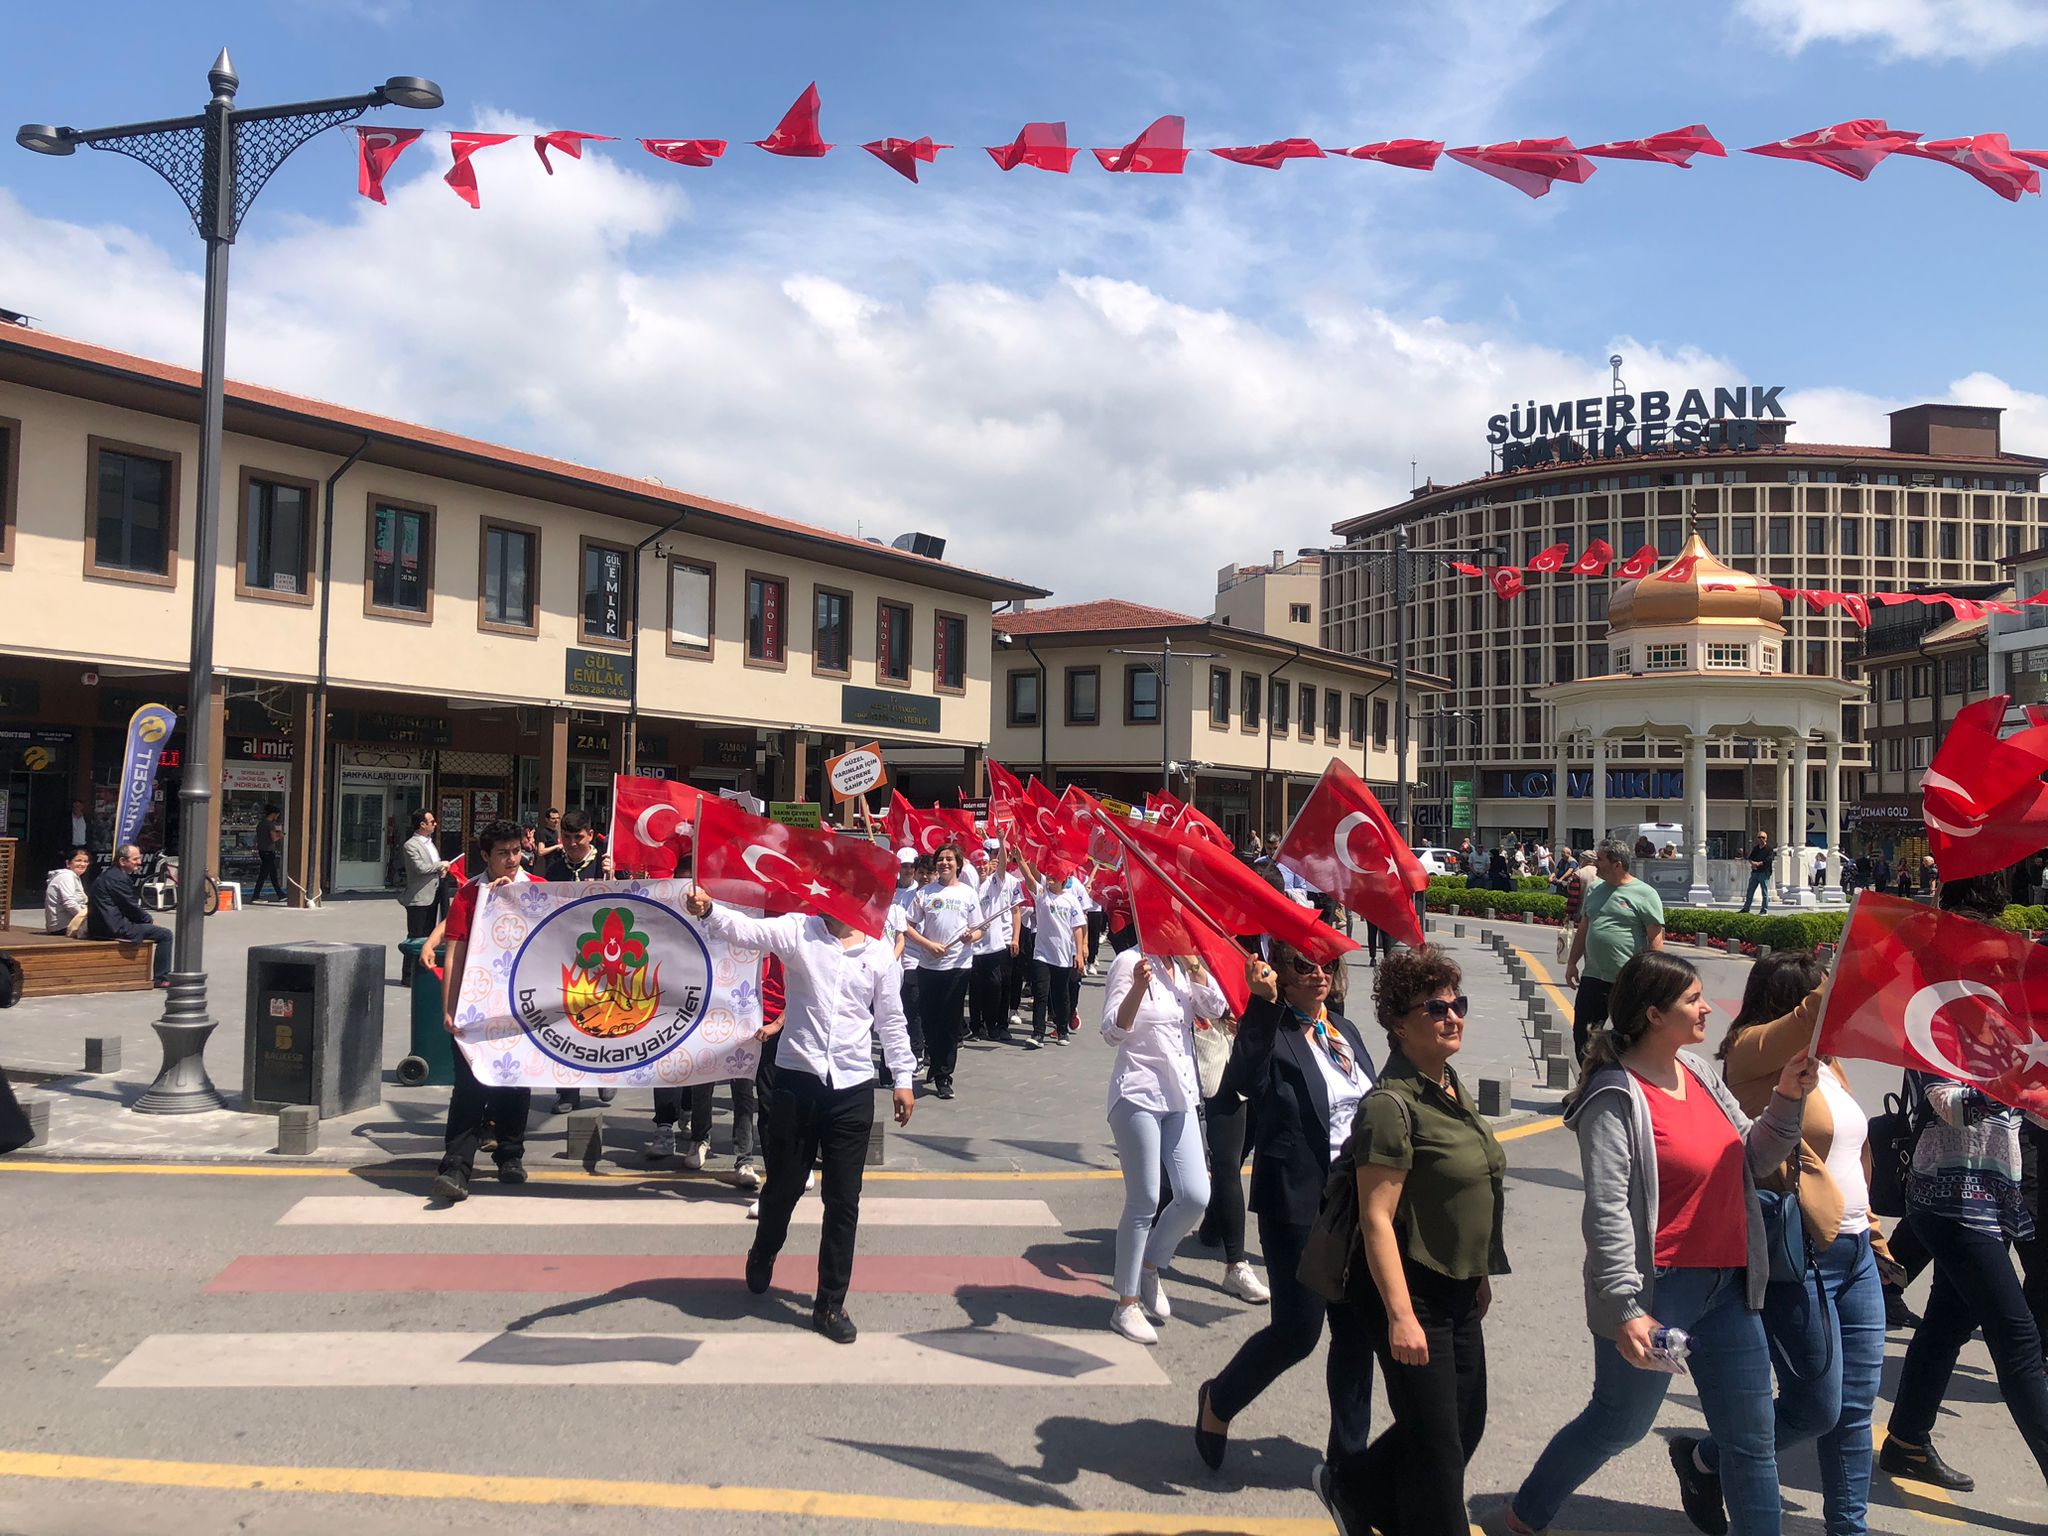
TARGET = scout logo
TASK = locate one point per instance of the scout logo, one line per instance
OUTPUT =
(610, 985)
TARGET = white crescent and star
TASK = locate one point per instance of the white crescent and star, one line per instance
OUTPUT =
(1928, 1002)
(756, 852)
(1933, 780)
(643, 824)
(1342, 839)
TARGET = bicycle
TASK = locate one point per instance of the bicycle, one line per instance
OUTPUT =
(161, 870)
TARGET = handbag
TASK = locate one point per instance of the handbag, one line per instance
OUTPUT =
(1892, 1136)
(1789, 1247)
(1333, 1237)
(1212, 1055)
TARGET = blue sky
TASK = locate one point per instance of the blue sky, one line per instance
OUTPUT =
(1188, 369)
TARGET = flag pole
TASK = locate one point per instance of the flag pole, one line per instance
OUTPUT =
(1159, 874)
(697, 843)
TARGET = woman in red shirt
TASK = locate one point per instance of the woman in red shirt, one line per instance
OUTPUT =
(1674, 1241)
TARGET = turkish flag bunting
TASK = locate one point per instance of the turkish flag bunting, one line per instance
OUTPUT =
(1551, 559)
(568, 141)
(1638, 565)
(1225, 888)
(1595, 560)
(1507, 582)
(1155, 152)
(1857, 609)
(1042, 146)
(1271, 156)
(377, 150)
(462, 175)
(1854, 148)
(1935, 992)
(1528, 165)
(797, 134)
(1409, 154)
(1676, 147)
(751, 861)
(1982, 798)
(1986, 156)
(684, 151)
(1344, 844)
(651, 822)
(903, 156)
(1681, 569)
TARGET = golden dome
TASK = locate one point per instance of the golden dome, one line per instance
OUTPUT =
(1708, 593)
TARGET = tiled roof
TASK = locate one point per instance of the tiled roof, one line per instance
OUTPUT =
(1080, 618)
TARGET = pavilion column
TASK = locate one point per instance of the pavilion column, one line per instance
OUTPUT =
(1599, 789)
(1781, 865)
(1799, 893)
(1696, 798)
(1560, 832)
(1831, 884)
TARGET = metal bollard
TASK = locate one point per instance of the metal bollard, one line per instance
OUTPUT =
(102, 1053)
(298, 1130)
(585, 1135)
(1496, 1095)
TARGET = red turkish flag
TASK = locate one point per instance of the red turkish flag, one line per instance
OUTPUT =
(462, 175)
(1676, 147)
(751, 861)
(1528, 165)
(1551, 559)
(1857, 609)
(1042, 146)
(1935, 992)
(1272, 156)
(1507, 582)
(1467, 570)
(797, 134)
(1043, 833)
(1595, 560)
(1155, 152)
(903, 156)
(684, 151)
(651, 824)
(1344, 844)
(1982, 798)
(1185, 819)
(1409, 154)
(1169, 926)
(1854, 148)
(1681, 569)
(568, 141)
(1637, 565)
(1003, 785)
(1986, 156)
(377, 150)
(1225, 888)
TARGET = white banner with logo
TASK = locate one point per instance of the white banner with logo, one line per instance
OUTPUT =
(604, 984)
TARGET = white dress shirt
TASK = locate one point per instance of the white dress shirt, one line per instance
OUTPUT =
(944, 913)
(837, 1000)
(1000, 893)
(1345, 1088)
(1155, 1057)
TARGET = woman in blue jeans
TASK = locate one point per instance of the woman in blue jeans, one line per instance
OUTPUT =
(1674, 1239)
(1827, 1344)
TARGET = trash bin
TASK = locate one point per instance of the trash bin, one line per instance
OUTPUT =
(432, 1057)
(314, 1031)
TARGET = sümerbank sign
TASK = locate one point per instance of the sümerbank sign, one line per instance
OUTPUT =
(1615, 426)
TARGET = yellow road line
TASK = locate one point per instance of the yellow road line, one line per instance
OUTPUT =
(562, 1492)
(1533, 1128)
(538, 1175)
(1542, 975)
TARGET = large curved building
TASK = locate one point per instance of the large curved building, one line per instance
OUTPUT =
(1938, 508)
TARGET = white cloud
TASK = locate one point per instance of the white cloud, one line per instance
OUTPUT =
(1977, 30)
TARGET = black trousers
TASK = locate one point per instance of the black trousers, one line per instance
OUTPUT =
(1013, 980)
(268, 867)
(469, 1106)
(1097, 921)
(1376, 942)
(668, 1110)
(1053, 989)
(1589, 1012)
(913, 1011)
(1223, 1222)
(808, 1120)
(160, 957)
(991, 984)
(1411, 1480)
(1294, 1326)
(420, 921)
(939, 998)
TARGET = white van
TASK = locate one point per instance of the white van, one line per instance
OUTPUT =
(1661, 834)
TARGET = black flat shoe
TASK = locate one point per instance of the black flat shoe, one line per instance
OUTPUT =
(1922, 1464)
(1699, 1492)
(512, 1172)
(760, 1272)
(834, 1324)
(451, 1185)
(1896, 1313)
(1209, 1445)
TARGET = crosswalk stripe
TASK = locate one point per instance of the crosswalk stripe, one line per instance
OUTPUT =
(593, 1274)
(605, 1208)
(779, 1357)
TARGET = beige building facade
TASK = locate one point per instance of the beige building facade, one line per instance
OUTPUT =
(1283, 599)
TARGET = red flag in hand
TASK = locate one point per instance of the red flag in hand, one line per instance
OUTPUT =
(754, 862)
(1676, 147)
(1854, 148)
(797, 134)
(1176, 813)
(1410, 154)
(651, 821)
(1157, 151)
(462, 175)
(1528, 165)
(1982, 799)
(1921, 988)
(1042, 146)
(684, 151)
(1228, 891)
(1344, 844)
(377, 150)
(1271, 156)
(1169, 926)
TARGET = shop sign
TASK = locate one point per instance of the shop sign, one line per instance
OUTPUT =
(267, 749)
(1461, 804)
(729, 754)
(856, 773)
(21, 696)
(598, 675)
(387, 725)
(36, 751)
(255, 779)
(1622, 784)
(885, 709)
(590, 742)
(604, 593)
(374, 757)
(1619, 425)
(796, 813)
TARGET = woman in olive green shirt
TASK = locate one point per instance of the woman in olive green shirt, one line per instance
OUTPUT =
(1429, 1198)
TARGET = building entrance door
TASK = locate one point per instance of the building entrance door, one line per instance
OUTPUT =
(365, 814)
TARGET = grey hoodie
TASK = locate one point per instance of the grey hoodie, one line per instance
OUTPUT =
(1618, 1163)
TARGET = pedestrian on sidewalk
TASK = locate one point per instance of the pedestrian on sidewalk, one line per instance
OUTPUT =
(471, 1104)
(270, 852)
(421, 892)
(1759, 873)
(1620, 918)
(842, 990)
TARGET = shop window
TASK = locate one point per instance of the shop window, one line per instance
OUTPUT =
(510, 556)
(1219, 696)
(892, 642)
(401, 580)
(1023, 697)
(132, 533)
(831, 627)
(1141, 695)
(606, 595)
(767, 602)
(276, 533)
(949, 653)
(1083, 686)
(691, 587)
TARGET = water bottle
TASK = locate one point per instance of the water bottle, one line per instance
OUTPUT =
(1671, 1346)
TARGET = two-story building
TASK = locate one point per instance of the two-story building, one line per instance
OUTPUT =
(471, 614)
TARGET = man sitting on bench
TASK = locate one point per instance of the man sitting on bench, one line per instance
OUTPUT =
(116, 912)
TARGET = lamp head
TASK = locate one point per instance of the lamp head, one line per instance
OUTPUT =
(45, 139)
(411, 91)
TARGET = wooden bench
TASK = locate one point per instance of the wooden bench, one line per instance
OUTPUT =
(54, 966)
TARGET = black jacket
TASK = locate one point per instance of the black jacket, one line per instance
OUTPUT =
(114, 907)
(1271, 1066)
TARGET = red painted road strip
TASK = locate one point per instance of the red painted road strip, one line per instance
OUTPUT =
(596, 1273)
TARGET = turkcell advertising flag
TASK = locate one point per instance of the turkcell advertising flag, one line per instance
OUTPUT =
(607, 984)
(149, 729)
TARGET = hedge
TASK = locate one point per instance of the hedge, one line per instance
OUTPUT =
(1447, 882)
(1792, 930)
(1532, 882)
(2024, 919)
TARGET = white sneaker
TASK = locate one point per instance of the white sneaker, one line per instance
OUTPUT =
(694, 1158)
(1243, 1282)
(1129, 1321)
(747, 1176)
(810, 1181)
(1153, 1296)
(1017, 1019)
(753, 1210)
(664, 1142)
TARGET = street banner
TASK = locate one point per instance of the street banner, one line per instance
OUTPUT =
(604, 984)
(149, 730)
(1926, 989)
(856, 773)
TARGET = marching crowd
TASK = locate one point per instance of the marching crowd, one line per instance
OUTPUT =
(1727, 1203)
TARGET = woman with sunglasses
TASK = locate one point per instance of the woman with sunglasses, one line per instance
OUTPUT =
(1430, 1185)
(1304, 1068)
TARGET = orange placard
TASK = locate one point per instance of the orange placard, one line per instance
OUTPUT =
(856, 773)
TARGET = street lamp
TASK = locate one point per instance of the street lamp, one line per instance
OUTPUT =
(216, 161)
(1161, 662)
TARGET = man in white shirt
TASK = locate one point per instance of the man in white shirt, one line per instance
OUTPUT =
(1060, 922)
(843, 992)
(1001, 892)
(81, 826)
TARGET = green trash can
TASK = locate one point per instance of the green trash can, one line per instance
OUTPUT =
(433, 1049)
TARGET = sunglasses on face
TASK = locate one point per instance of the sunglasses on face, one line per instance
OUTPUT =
(1302, 967)
(1440, 1008)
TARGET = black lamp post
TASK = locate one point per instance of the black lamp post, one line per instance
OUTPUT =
(216, 162)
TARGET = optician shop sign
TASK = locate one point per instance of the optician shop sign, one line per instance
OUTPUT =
(1622, 784)
(1616, 426)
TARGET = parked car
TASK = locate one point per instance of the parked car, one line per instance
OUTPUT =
(1439, 861)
